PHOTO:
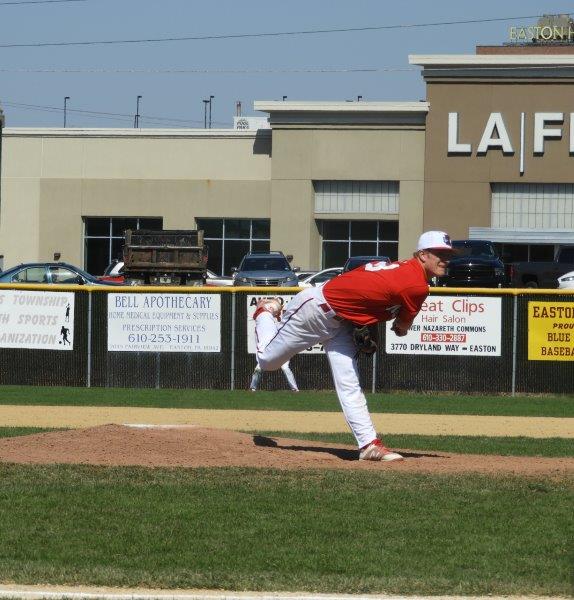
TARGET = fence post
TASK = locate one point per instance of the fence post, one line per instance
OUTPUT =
(89, 365)
(514, 336)
(374, 374)
(232, 363)
(157, 371)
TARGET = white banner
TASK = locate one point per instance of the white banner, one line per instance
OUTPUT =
(452, 325)
(38, 320)
(251, 304)
(164, 322)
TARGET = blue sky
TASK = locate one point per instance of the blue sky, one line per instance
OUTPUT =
(176, 99)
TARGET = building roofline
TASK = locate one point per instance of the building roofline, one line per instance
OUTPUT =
(293, 106)
(130, 133)
(491, 60)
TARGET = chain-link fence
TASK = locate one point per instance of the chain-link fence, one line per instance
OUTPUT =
(91, 362)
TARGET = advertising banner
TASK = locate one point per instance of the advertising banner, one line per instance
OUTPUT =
(164, 322)
(452, 325)
(37, 320)
(251, 304)
(550, 331)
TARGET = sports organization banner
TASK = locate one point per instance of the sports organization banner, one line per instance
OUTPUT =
(550, 331)
(452, 326)
(251, 304)
(164, 322)
(36, 320)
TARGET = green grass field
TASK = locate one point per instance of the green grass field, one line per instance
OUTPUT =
(452, 404)
(309, 531)
(247, 529)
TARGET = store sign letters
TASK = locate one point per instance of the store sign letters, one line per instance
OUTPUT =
(550, 331)
(546, 126)
(36, 320)
(164, 322)
(452, 325)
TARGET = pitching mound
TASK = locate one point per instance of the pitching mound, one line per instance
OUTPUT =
(188, 446)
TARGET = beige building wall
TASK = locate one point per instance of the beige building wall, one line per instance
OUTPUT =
(458, 187)
(52, 179)
(302, 156)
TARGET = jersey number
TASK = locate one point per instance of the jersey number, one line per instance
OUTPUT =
(380, 266)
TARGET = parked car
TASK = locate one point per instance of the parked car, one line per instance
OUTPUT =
(265, 269)
(114, 272)
(356, 261)
(474, 264)
(304, 274)
(566, 282)
(51, 273)
(215, 280)
(320, 278)
(542, 274)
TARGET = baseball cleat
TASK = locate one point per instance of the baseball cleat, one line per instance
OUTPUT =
(270, 305)
(376, 451)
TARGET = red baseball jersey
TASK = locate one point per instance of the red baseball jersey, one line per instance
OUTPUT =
(379, 292)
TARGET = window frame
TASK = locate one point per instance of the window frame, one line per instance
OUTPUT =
(221, 269)
(378, 241)
(110, 237)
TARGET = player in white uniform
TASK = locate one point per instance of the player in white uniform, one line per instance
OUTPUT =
(258, 374)
(365, 296)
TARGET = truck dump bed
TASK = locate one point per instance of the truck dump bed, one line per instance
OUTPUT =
(165, 257)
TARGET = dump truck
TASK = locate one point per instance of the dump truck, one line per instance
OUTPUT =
(164, 257)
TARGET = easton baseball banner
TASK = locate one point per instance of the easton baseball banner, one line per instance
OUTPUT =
(164, 322)
(251, 304)
(37, 320)
(452, 325)
(550, 331)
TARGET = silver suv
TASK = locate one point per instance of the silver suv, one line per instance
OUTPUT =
(265, 269)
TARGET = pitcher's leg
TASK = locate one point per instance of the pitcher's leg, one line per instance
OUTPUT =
(340, 352)
(301, 326)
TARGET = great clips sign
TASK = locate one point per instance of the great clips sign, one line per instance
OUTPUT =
(544, 127)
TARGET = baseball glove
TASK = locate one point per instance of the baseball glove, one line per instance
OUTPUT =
(365, 339)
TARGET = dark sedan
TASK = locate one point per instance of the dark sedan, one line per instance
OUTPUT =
(49, 273)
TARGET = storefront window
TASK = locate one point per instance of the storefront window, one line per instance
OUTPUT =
(342, 239)
(104, 238)
(228, 240)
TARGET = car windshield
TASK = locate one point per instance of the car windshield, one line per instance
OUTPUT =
(265, 263)
(472, 248)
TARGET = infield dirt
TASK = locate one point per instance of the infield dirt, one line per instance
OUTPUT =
(272, 420)
(191, 446)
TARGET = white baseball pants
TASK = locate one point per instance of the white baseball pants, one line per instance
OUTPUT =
(306, 321)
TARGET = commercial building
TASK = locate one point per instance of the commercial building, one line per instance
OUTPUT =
(490, 154)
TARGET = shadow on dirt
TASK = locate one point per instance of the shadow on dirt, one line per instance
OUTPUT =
(342, 453)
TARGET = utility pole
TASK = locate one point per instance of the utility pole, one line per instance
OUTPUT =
(66, 98)
(205, 103)
(137, 116)
(210, 102)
